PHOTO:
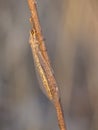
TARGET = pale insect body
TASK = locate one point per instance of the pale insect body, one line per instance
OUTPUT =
(39, 70)
(50, 77)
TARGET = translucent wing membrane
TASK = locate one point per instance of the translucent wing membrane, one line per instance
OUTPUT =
(44, 85)
(44, 71)
(50, 76)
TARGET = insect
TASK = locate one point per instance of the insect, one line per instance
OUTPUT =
(43, 69)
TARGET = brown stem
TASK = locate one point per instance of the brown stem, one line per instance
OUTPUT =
(35, 19)
(60, 115)
(36, 24)
(43, 62)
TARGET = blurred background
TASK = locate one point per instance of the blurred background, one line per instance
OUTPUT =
(70, 28)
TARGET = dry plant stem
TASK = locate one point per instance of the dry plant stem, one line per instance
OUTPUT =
(36, 24)
(60, 115)
(42, 64)
(47, 78)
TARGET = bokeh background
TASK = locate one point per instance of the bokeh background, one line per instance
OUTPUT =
(70, 28)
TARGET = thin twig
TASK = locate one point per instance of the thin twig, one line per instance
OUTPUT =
(42, 64)
(35, 23)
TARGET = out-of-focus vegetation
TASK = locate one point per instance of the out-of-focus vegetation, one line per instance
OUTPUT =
(70, 28)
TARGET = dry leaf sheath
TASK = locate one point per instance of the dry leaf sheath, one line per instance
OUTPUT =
(42, 64)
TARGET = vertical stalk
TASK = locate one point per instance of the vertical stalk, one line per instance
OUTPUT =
(42, 63)
(60, 115)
